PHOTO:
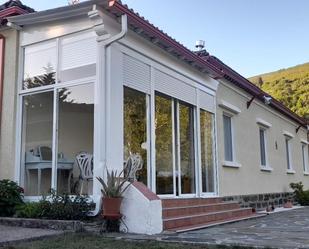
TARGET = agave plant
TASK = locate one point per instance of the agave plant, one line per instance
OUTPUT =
(113, 187)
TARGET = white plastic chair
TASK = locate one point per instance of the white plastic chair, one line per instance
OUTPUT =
(133, 164)
(85, 164)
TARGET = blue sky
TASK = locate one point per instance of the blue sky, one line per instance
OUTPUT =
(251, 36)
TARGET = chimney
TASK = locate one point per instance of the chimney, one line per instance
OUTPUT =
(200, 44)
(72, 2)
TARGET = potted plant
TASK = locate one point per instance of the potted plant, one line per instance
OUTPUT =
(112, 191)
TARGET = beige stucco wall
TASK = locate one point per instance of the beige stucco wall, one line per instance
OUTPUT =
(7, 132)
(249, 178)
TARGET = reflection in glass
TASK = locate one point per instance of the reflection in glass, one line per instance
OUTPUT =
(186, 138)
(207, 151)
(40, 65)
(37, 143)
(164, 145)
(75, 139)
(135, 128)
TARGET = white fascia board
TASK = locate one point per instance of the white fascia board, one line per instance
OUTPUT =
(288, 134)
(228, 106)
(263, 123)
(65, 12)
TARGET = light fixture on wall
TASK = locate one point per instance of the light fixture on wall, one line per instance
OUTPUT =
(267, 99)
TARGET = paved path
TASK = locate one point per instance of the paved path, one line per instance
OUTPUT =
(12, 234)
(288, 229)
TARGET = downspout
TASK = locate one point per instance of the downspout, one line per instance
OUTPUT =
(103, 83)
(2, 54)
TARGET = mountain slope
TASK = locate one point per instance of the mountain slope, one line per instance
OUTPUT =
(290, 86)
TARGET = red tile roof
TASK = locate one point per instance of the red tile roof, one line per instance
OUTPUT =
(202, 62)
(13, 8)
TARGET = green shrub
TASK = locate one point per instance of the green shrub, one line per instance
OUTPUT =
(57, 207)
(11, 196)
(29, 210)
(301, 195)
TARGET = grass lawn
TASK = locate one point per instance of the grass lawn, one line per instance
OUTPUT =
(82, 241)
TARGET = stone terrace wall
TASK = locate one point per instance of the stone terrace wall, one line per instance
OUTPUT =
(261, 201)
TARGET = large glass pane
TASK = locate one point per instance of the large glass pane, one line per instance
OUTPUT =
(135, 128)
(186, 139)
(164, 145)
(303, 146)
(37, 143)
(262, 147)
(287, 147)
(40, 65)
(207, 151)
(228, 141)
(75, 139)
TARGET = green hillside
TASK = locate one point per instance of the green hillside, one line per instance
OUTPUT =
(290, 86)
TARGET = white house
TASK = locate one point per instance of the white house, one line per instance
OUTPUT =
(96, 77)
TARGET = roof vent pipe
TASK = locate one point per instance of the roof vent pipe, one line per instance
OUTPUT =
(200, 44)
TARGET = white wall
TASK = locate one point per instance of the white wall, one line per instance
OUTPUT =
(7, 132)
(249, 178)
(141, 215)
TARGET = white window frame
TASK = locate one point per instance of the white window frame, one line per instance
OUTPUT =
(19, 175)
(264, 132)
(227, 163)
(305, 157)
(199, 153)
(288, 154)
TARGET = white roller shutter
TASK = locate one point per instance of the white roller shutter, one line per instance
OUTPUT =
(40, 58)
(136, 74)
(206, 101)
(78, 50)
(173, 87)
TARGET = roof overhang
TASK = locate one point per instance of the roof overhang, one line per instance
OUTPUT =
(56, 14)
(136, 23)
(15, 10)
(205, 64)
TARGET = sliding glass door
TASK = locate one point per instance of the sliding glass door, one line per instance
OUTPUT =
(182, 149)
(75, 139)
(165, 147)
(175, 147)
(186, 148)
(135, 129)
(207, 152)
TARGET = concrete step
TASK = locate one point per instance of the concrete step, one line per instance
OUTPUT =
(215, 223)
(198, 209)
(178, 222)
(183, 202)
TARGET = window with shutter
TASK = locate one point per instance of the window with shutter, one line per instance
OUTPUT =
(173, 87)
(136, 74)
(77, 56)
